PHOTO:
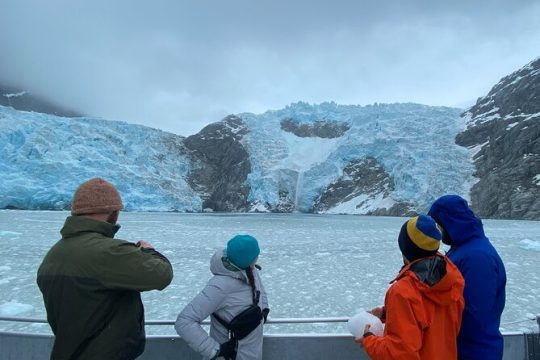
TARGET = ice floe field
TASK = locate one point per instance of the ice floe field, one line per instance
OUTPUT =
(313, 265)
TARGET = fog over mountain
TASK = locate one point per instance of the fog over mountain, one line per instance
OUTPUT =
(181, 65)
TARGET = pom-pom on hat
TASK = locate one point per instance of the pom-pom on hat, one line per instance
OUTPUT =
(242, 250)
(96, 196)
(419, 237)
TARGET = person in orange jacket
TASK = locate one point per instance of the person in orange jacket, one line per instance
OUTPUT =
(423, 306)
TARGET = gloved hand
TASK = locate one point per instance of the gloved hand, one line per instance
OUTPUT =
(265, 312)
(228, 349)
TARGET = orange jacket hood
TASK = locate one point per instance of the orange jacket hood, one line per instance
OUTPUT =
(447, 290)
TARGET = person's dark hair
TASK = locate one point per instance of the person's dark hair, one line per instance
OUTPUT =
(251, 280)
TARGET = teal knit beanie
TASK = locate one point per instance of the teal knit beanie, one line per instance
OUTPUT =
(242, 250)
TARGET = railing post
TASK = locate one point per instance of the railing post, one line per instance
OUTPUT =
(538, 322)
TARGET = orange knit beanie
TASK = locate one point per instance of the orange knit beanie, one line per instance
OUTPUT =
(96, 196)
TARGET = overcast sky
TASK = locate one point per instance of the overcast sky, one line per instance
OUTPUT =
(179, 65)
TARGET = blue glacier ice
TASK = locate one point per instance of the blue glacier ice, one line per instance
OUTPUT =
(414, 143)
(43, 158)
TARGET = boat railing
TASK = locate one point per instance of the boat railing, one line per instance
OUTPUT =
(317, 320)
(518, 345)
(205, 322)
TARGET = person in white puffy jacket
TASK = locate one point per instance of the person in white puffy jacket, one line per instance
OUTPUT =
(235, 286)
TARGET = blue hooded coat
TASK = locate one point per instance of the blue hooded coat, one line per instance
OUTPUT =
(484, 274)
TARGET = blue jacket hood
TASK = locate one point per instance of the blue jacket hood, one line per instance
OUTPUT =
(453, 213)
(484, 274)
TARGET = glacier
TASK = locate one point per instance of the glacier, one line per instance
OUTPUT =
(414, 143)
(43, 158)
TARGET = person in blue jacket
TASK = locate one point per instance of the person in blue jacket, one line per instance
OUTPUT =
(484, 274)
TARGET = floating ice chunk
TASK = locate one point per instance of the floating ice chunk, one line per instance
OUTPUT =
(14, 308)
(9, 233)
(323, 254)
(530, 244)
(358, 322)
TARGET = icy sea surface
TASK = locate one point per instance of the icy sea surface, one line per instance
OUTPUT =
(313, 265)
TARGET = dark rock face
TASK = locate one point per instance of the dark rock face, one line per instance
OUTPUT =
(286, 192)
(399, 209)
(505, 128)
(361, 177)
(517, 93)
(25, 101)
(221, 165)
(322, 129)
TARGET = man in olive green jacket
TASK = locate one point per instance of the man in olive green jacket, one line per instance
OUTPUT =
(91, 282)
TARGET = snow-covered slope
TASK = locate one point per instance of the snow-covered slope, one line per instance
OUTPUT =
(43, 158)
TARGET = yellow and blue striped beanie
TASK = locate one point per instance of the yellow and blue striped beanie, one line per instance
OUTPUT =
(419, 237)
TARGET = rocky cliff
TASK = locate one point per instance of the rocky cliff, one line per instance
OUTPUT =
(221, 165)
(319, 128)
(362, 178)
(503, 134)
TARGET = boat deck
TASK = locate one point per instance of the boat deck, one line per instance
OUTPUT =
(27, 346)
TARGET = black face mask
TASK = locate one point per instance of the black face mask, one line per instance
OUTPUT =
(446, 237)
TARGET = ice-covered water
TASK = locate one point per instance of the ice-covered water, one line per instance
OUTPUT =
(313, 265)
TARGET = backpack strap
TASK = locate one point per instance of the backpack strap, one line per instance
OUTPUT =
(256, 298)
(221, 321)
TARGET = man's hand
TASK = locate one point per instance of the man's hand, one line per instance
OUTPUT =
(378, 312)
(144, 244)
(360, 340)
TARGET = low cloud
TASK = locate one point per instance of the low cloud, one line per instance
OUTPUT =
(179, 65)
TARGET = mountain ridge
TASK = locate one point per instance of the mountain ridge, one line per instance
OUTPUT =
(24, 100)
(379, 159)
